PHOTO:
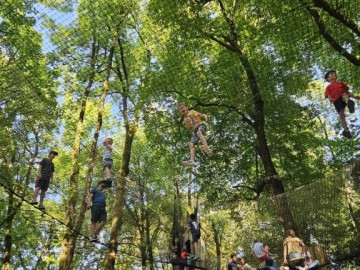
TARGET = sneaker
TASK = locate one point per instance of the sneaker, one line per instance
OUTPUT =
(189, 163)
(94, 240)
(196, 257)
(347, 134)
(351, 106)
(34, 202)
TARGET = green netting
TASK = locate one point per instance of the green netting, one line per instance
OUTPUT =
(226, 58)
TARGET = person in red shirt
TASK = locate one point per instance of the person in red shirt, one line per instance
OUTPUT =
(338, 93)
(193, 122)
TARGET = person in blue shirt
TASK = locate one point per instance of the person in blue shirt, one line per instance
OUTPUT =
(97, 204)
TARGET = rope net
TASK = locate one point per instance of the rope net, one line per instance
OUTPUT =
(226, 58)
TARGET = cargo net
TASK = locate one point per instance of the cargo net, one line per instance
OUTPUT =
(205, 53)
(325, 214)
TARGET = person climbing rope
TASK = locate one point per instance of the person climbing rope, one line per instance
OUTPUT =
(194, 227)
(338, 93)
(193, 121)
(97, 203)
(107, 161)
(43, 178)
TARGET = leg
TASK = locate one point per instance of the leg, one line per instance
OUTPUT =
(98, 227)
(107, 172)
(349, 102)
(196, 248)
(93, 229)
(36, 193)
(42, 196)
(204, 147)
(343, 120)
(192, 151)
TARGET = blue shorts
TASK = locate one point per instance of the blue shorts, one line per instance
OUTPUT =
(195, 139)
(98, 213)
(107, 163)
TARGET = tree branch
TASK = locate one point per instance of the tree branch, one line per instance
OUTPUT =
(326, 35)
(338, 15)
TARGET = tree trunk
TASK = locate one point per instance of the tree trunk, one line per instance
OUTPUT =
(148, 240)
(232, 43)
(8, 233)
(217, 241)
(130, 131)
(14, 206)
(69, 239)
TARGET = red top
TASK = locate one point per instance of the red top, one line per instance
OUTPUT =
(336, 89)
(183, 254)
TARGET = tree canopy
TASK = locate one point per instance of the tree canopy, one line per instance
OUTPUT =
(76, 72)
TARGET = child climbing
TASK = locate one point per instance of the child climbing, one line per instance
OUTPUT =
(43, 178)
(194, 227)
(97, 203)
(107, 161)
(193, 122)
(338, 94)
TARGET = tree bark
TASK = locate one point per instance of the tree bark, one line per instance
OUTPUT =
(14, 206)
(217, 240)
(69, 239)
(232, 43)
(130, 131)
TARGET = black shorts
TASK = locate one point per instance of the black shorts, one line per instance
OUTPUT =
(98, 213)
(339, 104)
(43, 183)
(195, 238)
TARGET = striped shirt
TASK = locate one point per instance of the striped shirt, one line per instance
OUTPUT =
(47, 168)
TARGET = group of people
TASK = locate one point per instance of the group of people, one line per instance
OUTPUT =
(337, 92)
(296, 256)
(239, 264)
(96, 200)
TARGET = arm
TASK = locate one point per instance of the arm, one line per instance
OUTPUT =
(186, 231)
(89, 199)
(39, 172)
(302, 245)
(202, 115)
(285, 253)
(328, 94)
